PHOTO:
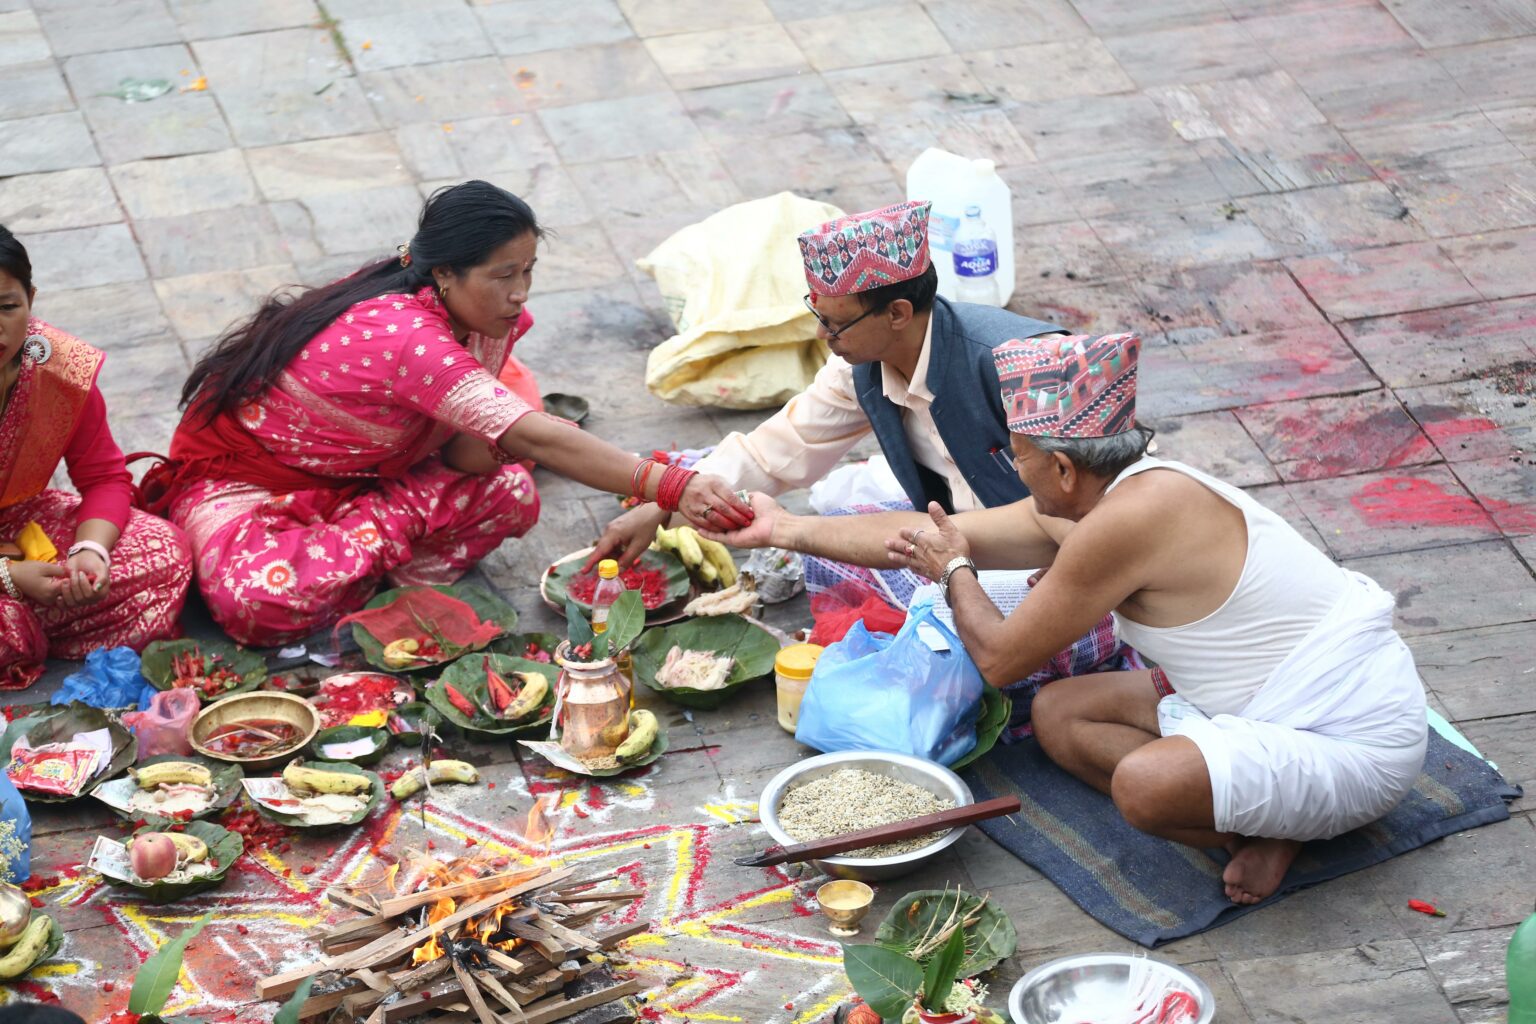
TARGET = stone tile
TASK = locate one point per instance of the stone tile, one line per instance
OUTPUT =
(1339, 914)
(1114, 17)
(1383, 88)
(1447, 344)
(1506, 488)
(84, 257)
(49, 142)
(174, 124)
(1479, 878)
(205, 305)
(1479, 673)
(1225, 373)
(1510, 743)
(1282, 503)
(159, 369)
(1518, 124)
(113, 26)
(661, 186)
(1081, 67)
(668, 17)
(112, 317)
(210, 19)
(437, 92)
(1459, 587)
(1389, 280)
(1471, 140)
(983, 24)
(1216, 443)
(1359, 215)
(904, 32)
(1493, 261)
(1039, 197)
(796, 10)
(304, 169)
(1319, 438)
(1236, 298)
(21, 39)
(548, 188)
(1436, 24)
(181, 185)
(938, 85)
(1477, 418)
(725, 56)
(368, 219)
(1189, 237)
(1108, 307)
(1495, 74)
(1393, 511)
(63, 199)
(1310, 155)
(581, 257)
(984, 133)
(1069, 250)
(414, 37)
(1375, 981)
(1265, 105)
(754, 110)
(1193, 53)
(286, 86)
(485, 144)
(613, 129)
(1177, 187)
(1465, 200)
(1065, 929)
(1334, 32)
(1074, 127)
(29, 90)
(175, 246)
(527, 26)
(1469, 967)
(558, 78)
(811, 164)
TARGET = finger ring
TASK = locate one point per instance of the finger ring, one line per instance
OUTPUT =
(916, 535)
(707, 510)
(911, 550)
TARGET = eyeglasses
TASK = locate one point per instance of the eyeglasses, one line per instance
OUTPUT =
(833, 333)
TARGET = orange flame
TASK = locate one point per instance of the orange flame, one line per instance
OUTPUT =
(432, 949)
(537, 829)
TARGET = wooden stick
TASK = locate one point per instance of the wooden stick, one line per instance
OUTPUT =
(278, 985)
(346, 899)
(511, 965)
(327, 1001)
(589, 883)
(488, 981)
(628, 895)
(472, 990)
(570, 936)
(547, 943)
(926, 824)
(551, 1010)
(473, 887)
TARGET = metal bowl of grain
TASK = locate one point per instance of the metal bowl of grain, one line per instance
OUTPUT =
(856, 795)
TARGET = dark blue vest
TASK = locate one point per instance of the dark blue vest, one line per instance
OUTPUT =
(967, 405)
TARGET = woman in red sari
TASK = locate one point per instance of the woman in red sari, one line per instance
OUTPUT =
(358, 434)
(124, 574)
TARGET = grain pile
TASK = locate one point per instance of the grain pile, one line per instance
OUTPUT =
(851, 799)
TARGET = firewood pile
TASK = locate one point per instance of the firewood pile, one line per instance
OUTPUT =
(461, 942)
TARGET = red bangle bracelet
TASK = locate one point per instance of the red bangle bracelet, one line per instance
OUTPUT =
(674, 481)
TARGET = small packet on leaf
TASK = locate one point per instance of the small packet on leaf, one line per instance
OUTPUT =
(62, 769)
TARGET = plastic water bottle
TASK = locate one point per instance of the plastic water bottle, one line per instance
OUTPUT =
(608, 590)
(1520, 973)
(976, 260)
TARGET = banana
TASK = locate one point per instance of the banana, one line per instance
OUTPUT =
(719, 556)
(688, 547)
(666, 539)
(189, 849)
(301, 778)
(401, 653)
(535, 688)
(166, 772)
(28, 948)
(415, 780)
(708, 573)
(642, 736)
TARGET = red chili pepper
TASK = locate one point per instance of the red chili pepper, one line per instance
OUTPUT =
(1178, 1008)
(1425, 908)
(501, 693)
(458, 700)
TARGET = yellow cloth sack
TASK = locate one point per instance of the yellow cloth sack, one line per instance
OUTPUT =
(35, 545)
(734, 285)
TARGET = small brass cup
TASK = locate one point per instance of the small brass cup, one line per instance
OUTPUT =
(845, 903)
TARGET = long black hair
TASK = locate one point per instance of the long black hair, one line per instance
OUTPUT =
(459, 227)
(14, 259)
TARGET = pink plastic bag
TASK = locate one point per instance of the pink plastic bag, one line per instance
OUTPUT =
(165, 726)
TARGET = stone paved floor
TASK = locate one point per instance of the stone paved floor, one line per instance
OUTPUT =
(1321, 215)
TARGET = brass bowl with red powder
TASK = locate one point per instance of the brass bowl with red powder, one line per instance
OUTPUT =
(256, 707)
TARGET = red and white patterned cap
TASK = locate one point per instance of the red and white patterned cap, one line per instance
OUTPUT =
(867, 250)
(1077, 386)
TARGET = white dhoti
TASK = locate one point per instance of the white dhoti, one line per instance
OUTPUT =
(1333, 739)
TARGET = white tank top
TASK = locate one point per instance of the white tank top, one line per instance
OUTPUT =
(1285, 589)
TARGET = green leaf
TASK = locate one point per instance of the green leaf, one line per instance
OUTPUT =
(626, 620)
(155, 666)
(922, 913)
(996, 708)
(59, 724)
(942, 971)
(885, 979)
(751, 646)
(578, 629)
(288, 1013)
(467, 675)
(555, 588)
(153, 984)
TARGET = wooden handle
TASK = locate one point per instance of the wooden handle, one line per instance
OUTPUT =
(936, 822)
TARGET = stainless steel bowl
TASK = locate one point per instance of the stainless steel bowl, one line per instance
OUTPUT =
(1066, 989)
(935, 778)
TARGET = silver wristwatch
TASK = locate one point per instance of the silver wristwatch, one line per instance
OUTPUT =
(958, 562)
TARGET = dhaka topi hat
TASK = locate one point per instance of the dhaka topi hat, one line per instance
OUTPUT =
(1077, 386)
(867, 250)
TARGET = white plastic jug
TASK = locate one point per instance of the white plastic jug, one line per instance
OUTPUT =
(951, 183)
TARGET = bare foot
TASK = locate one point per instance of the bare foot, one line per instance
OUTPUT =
(1257, 867)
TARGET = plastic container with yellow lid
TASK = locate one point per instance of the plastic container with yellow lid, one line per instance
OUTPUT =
(792, 670)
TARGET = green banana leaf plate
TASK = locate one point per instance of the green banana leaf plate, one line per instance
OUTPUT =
(224, 846)
(346, 734)
(550, 751)
(156, 665)
(996, 708)
(226, 787)
(50, 947)
(517, 644)
(752, 647)
(467, 675)
(375, 794)
(988, 942)
(556, 584)
(58, 725)
(487, 605)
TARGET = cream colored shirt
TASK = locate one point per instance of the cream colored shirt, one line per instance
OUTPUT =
(805, 440)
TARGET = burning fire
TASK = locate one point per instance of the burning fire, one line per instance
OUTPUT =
(436, 873)
(432, 949)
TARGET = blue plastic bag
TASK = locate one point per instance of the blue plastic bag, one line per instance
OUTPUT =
(872, 691)
(15, 834)
(110, 679)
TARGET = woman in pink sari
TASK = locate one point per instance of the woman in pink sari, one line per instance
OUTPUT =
(123, 575)
(358, 434)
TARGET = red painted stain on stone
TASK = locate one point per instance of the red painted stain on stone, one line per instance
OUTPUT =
(1409, 501)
